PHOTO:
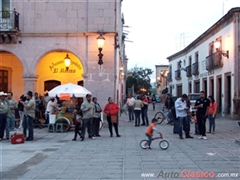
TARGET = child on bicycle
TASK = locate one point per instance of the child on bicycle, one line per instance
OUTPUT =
(149, 131)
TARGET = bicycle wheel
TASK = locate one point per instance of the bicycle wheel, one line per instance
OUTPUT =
(160, 117)
(143, 144)
(163, 144)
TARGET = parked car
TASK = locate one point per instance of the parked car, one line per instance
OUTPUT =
(193, 97)
(157, 99)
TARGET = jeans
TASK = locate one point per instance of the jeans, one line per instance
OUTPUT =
(76, 130)
(28, 125)
(10, 125)
(201, 124)
(196, 128)
(146, 116)
(175, 125)
(87, 123)
(96, 123)
(149, 140)
(183, 126)
(211, 122)
(3, 119)
(131, 113)
(137, 117)
(21, 114)
(110, 126)
(153, 103)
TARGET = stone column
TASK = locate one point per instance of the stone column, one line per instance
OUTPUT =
(30, 81)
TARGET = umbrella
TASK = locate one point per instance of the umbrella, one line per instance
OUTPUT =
(68, 90)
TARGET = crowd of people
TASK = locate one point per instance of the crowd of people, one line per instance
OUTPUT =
(88, 114)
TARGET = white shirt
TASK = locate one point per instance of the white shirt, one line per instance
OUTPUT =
(179, 106)
(130, 101)
(51, 106)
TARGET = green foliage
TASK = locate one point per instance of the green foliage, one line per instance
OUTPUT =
(140, 79)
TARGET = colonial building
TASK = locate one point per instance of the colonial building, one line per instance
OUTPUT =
(211, 63)
(161, 82)
(37, 37)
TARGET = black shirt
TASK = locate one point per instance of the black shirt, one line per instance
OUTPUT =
(202, 111)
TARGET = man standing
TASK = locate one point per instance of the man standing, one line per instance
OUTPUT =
(29, 115)
(202, 106)
(181, 113)
(12, 103)
(88, 110)
(3, 113)
(52, 107)
(130, 102)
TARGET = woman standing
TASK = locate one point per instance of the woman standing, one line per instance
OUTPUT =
(153, 101)
(137, 105)
(111, 110)
(212, 114)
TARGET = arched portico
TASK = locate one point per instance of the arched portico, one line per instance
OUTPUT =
(51, 68)
(11, 70)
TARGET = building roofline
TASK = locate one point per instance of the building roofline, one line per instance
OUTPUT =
(207, 32)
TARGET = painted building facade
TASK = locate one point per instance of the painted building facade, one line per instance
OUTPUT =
(36, 36)
(211, 63)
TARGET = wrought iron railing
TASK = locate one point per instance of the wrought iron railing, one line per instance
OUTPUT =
(214, 61)
(9, 21)
(178, 74)
(195, 70)
(189, 71)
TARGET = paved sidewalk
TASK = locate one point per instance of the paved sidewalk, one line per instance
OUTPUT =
(54, 156)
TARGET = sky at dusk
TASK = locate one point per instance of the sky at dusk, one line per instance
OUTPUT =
(160, 28)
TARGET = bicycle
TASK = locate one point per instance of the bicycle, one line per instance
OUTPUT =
(163, 116)
(163, 144)
(123, 109)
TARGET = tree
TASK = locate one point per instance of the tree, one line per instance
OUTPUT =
(140, 78)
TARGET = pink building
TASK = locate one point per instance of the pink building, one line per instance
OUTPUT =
(36, 37)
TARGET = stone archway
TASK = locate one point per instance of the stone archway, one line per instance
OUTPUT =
(11, 71)
(51, 67)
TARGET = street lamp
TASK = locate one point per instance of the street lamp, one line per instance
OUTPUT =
(100, 41)
(67, 61)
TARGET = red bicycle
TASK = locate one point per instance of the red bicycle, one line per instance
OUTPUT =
(163, 144)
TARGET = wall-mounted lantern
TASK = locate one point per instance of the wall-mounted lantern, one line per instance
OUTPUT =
(100, 41)
(217, 45)
(67, 61)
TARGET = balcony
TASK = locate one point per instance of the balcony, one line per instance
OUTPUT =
(9, 26)
(195, 70)
(189, 71)
(178, 74)
(214, 61)
(169, 76)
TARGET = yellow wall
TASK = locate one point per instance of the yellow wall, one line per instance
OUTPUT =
(11, 63)
(52, 67)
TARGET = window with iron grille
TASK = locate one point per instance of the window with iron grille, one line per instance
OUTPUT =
(4, 80)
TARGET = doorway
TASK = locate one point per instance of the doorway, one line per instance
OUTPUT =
(219, 94)
(227, 92)
(49, 85)
(4, 81)
(205, 88)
